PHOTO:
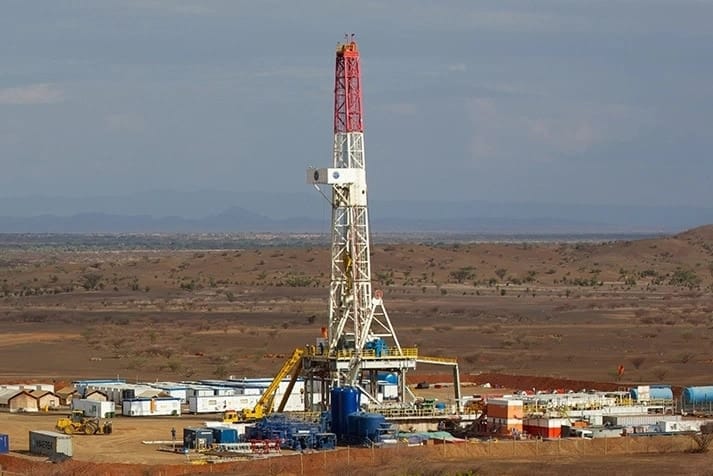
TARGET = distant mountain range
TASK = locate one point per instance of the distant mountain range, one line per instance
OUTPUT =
(211, 211)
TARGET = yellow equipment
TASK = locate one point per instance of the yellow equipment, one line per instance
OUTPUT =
(264, 404)
(76, 422)
(231, 416)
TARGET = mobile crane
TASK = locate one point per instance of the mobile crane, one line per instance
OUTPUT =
(263, 406)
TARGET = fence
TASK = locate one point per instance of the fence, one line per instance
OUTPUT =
(414, 460)
(391, 460)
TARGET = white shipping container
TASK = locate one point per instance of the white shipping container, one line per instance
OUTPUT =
(669, 426)
(225, 391)
(215, 404)
(595, 419)
(504, 402)
(296, 402)
(173, 390)
(390, 390)
(50, 443)
(643, 393)
(200, 392)
(45, 387)
(94, 408)
(250, 391)
(606, 432)
(637, 420)
(151, 407)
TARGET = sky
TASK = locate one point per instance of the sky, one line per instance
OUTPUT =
(547, 101)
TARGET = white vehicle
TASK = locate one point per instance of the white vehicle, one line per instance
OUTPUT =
(582, 433)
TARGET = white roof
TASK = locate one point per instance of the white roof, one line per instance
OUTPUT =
(170, 385)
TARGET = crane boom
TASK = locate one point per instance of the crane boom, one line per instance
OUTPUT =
(264, 404)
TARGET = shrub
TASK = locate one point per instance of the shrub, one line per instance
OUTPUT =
(463, 274)
(685, 277)
(91, 280)
(637, 362)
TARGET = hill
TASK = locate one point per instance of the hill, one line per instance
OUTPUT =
(252, 211)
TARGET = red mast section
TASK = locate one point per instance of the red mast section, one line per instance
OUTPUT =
(347, 89)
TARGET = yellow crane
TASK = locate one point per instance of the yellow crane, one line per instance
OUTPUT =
(264, 405)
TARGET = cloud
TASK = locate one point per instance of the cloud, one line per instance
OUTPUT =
(125, 122)
(174, 7)
(547, 129)
(31, 94)
(457, 67)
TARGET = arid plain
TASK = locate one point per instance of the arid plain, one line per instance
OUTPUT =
(551, 310)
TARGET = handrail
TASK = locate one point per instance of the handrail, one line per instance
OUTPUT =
(444, 360)
(369, 354)
(410, 412)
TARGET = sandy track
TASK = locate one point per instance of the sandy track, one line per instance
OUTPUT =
(17, 338)
(123, 445)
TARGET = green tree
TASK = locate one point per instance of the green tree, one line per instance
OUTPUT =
(90, 281)
(463, 274)
(685, 277)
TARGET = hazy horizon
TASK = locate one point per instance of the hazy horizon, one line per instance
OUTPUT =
(168, 211)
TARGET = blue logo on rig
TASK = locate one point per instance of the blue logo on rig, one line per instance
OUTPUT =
(335, 175)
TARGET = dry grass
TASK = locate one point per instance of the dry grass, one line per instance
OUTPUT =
(534, 308)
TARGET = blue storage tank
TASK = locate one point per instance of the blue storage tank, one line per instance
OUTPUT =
(661, 392)
(698, 395)
(354, 422)
(365, 427)
(225, 434)
(656, 392)
(4, 444)
(350, 404)
(388, 377)
(335, 403)
(370, 425)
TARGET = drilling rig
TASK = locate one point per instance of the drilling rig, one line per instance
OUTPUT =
(359, 342)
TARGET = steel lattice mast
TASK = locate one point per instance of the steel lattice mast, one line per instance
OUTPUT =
(359, 344)
(356, 315)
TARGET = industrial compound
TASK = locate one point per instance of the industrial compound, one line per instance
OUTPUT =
(350, 386)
